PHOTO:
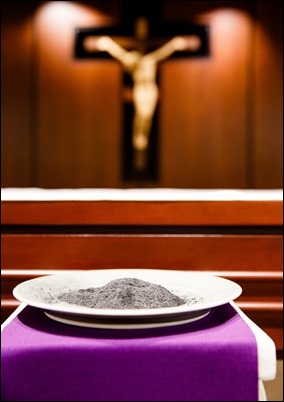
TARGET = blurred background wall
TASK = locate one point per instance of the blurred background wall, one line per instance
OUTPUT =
(220, 117)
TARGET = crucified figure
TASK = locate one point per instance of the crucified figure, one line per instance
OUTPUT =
(143, 69)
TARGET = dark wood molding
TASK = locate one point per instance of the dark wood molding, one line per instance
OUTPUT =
(179, 213)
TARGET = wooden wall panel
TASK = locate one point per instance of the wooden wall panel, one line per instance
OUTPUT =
(220, 117)
(204, 105)
(17, 135)
(267, 146)
(79, 122)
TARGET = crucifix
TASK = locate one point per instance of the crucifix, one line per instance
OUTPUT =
(140, 49)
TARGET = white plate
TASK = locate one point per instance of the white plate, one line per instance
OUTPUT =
(201, 291)
(91, 322)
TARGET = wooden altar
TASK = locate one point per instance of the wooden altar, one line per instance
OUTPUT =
(237, 235)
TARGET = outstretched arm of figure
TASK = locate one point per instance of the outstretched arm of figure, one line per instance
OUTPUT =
(105, 43)
(175, 44)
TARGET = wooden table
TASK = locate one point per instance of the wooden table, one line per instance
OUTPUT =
(233, 234)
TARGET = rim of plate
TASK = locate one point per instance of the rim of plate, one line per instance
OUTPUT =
(234, 291)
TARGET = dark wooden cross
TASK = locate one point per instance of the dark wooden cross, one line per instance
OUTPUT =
(154, 33)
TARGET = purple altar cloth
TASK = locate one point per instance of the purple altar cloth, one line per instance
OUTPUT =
(212, 359)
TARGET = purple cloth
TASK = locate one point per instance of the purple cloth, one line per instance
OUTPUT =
(212, 359)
